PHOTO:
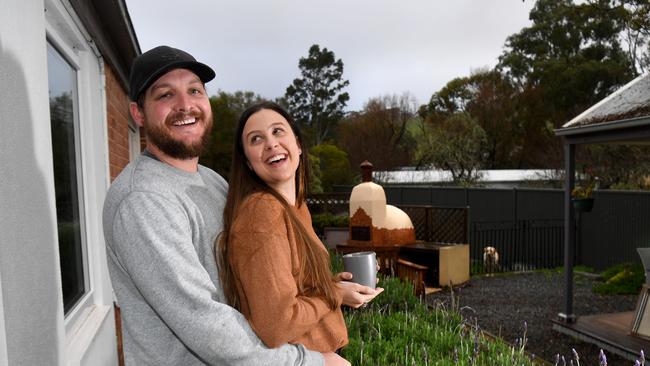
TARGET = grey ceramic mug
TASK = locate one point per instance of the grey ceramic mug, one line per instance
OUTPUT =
(363, 266)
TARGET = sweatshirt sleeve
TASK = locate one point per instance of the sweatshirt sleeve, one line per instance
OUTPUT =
(261, 255)
(163, 264)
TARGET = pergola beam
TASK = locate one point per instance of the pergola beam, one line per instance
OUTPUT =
(569, 232)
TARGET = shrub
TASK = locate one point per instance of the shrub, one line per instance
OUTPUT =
(621, 279)
(334, 166)
(321, 221)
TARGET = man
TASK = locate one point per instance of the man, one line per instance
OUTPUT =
(161, 217)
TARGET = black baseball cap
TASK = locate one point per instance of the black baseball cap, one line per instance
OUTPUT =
(149, 66)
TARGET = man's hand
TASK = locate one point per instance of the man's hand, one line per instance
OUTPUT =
(332, 359)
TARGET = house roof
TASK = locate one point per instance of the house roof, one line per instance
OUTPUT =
(440, 176)
(628, 107)
(110, 25)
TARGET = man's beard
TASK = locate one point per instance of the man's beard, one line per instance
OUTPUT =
(160, 135)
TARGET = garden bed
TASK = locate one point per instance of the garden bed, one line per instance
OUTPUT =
(502, 304)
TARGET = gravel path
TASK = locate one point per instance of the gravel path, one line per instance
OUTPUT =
(502, 303)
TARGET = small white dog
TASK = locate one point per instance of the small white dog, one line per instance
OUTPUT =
(490, 259)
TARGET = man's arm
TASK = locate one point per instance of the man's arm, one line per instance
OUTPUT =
(153, 245)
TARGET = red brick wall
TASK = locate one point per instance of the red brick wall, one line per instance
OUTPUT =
(117, 105)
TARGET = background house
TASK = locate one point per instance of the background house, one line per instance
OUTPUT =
(65, 134)
(501, 178)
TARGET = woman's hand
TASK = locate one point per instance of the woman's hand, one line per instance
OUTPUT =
(343, 276)
(355, 295)
(347, 276)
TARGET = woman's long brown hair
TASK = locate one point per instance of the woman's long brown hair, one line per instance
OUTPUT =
(315, 275)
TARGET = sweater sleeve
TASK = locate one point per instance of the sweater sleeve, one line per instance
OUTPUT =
(261, 255)
(152, 242)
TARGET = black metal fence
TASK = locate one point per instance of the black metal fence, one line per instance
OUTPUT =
(521, 245)
(526, 225)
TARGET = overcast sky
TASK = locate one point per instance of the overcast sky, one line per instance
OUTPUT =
(387, 46)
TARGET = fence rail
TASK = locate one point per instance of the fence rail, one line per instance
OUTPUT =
(334, 203)
(521, 245)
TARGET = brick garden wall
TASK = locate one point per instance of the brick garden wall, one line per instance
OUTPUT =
(117, 105)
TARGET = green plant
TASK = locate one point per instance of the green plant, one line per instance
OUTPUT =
(323, 220)
(583, 268)
(336, 261)
(621, 279)
(583, 191)
(588, 185)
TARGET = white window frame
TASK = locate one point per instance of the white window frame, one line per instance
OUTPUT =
(79, 161)
(65, 32)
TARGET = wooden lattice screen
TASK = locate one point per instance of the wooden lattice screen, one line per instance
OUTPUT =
(439, 224)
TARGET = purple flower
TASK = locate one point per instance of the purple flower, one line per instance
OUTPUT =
(602, 359)
(575, 354)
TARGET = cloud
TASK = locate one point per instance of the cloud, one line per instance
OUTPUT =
(387, 46)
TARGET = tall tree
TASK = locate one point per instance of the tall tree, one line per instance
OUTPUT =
(316, 99)
(379, 133)
(572, 52)
(636, 33)
(490, 98)
(226, 109)
(567, 60)
(453, 144)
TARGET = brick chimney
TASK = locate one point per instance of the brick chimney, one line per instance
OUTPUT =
(366, 171)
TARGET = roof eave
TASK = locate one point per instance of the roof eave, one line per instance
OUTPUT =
(605, 126)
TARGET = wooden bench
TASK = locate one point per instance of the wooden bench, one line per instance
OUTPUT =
(412, 273)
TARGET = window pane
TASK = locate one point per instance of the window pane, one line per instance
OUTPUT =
(63, 92)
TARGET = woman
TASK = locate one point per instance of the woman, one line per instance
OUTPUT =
(274, 269)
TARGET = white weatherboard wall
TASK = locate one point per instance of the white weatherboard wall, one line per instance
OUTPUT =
(33, 328)
(31, 297)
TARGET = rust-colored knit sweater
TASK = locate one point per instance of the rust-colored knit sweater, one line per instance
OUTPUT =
(264, 258)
